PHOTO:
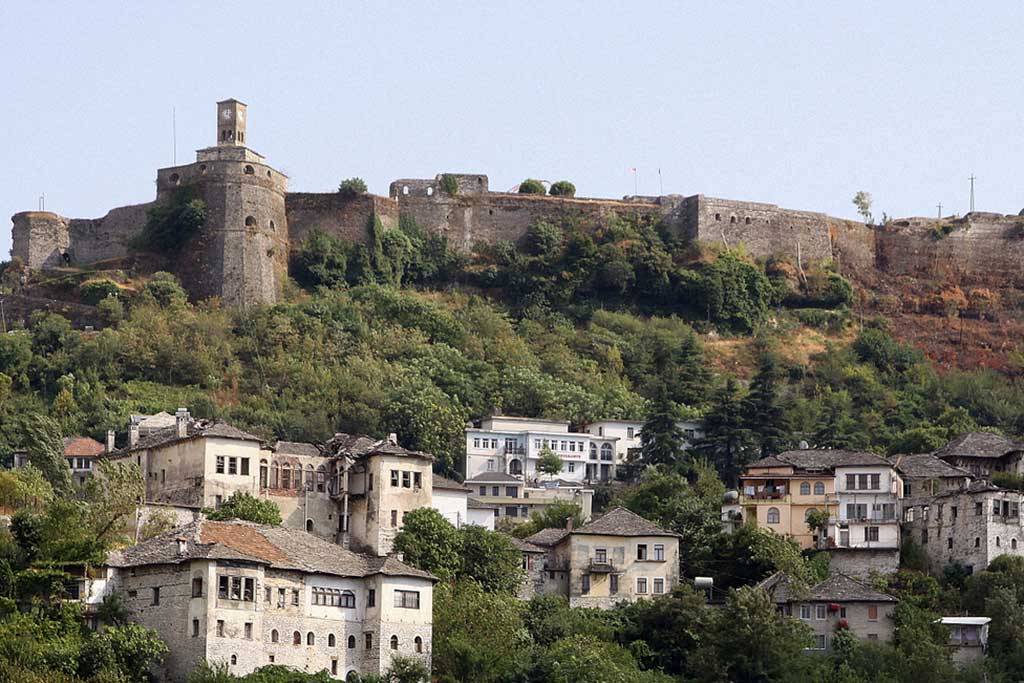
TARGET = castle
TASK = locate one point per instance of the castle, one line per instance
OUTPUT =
(252, 222)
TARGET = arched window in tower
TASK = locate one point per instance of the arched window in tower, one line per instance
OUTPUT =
(274, 475)
(419, 644)
(250, 222)
(394, 642)
(309, 526)
(310, 639)
(430, 191)
(263, 474)
(249, 170)
(175, 179)
(351, 642)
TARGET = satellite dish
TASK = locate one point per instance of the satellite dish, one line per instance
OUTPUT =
(804, 445)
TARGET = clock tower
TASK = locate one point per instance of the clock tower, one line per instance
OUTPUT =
(231, 122)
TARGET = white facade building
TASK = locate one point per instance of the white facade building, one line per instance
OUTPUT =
(627, 434)
(869, 506)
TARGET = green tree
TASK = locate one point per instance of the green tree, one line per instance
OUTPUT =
(561, 188)
(862, 200)
(765, 417)
(429, 542)
(45, 449)
(585, 658)
(727, 440)
(245, 507)
(554, 516)
(321, 261)
(114, 495)
(352, 187)
(490, 559)
(165, 290)
(531, 186)
(661, 439)
(549, 463)
(130, 649)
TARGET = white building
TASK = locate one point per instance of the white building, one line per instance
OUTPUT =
(451, 499)
(627, 434)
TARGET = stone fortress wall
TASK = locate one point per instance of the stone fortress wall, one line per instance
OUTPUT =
(241, 255)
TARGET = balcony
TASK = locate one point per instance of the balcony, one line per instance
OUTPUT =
(768, 495)
(601, 566)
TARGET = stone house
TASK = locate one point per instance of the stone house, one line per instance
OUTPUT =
(81, 453)
(619, 556)
(838, 602)
(246, 595)
(925, 475)
(970, 526)
(982, 453)
(968, 638)
(517, 502)
(533, 567)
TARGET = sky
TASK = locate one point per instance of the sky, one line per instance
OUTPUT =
(799, 104)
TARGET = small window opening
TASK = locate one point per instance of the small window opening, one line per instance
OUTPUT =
(249, 170)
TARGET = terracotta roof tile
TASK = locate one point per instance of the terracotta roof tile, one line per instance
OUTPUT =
(82, 446)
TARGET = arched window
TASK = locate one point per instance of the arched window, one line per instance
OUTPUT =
(309, 526)
(297, 476)
(331, 642)
(310, 639)
(1013, 544)
(309, 478)
(606, 451)
(430, 191)
(515, 467)
(351, 642)
(805, 488)
(773, 515)
(718, 216)
(394, 642)
(732, 219)
(273, 636)
(234, 660)
(250, 222)
(321, 476)
(419, 644)
(286, 477)
(296, 638)
(175, 179)
(405, 189)
(593, 451)
(819, 488)
(997, 542)
(249, 170)
(348, 599)
(274, 475)
(263, 474)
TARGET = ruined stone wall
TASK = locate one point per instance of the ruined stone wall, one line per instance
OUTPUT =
(983, 248)
(39, 238)
(347, 218)
(862, 562)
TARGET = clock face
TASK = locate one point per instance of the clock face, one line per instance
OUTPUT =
(226, 114)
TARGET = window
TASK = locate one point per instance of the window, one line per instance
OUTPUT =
(819, 642)
(641, 586)
(641, 551)
(394, 642)
(351, 642)
(195, 628)
(281, 592)
(295, 597)
(394, 519)
(1013, 544)
(334, 667)
(274, 472)
(274, 636)
(321, 478)
(296, 638)
(572, 467)
(511, 511)
(773, 515)
(805, 488)
(418, 644)
(978, 509)
(490, 465)
(234, 660)
(310, 638)
(856, 510)
(819, 488)
(407, 599)
(286, 477)
(949, 543)
(197, 587)
(876, 482)
(601, 555)
(495, 490)
(659, 586)
(263, 474)
(348, 599)
(406, 480)
(606, 451)
(232, 465)
(371, 597)
(368, 637)
(871, 533)
(872, 612)
(220, 464)
(977, 541)
(483, 490)
(805, 612)
(220, 628)
(476, 443)
(512, 491)
(851, 482)
(585, 584)
(248, 630)
(417, 480)
(995, 508)
(331, 642)
(997, 542)
(369, 485)
(613, 584)
(629, 432)
(820, 612)
(156, 595)
(659, 552)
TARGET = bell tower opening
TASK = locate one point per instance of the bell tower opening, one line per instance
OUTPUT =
(231, 123)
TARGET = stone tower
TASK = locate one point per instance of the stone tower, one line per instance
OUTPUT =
(241, 254)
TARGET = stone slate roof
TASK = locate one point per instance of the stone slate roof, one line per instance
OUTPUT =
(976, 486)
(494, 478)
(821, 459)
(622, 522)
(926, 466)
(296, 448)
(195, 429)
(82, 446)
(547, 537)
(357, 446)
(477, 504)
(439, 482)
(837, 587)
(524, 546)
(275, 547)
(769, 461)
(979, 445)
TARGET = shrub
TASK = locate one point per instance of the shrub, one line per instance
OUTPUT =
(561, 188)
(941, 231)
(449, 184)
(352, 187)
(165, 289)
(111, 309)
(531, 186)
(171, 224)
(95, 291)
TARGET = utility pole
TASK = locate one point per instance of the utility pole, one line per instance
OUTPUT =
(661, 185)
(42, 202)
(940, 211)
(972, 179)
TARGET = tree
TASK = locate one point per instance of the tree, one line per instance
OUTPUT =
(490, 559)
(727, 440)
(429, 542)
(531, 186)
(164, 289)
(766, 420)
(549, 463)
(42, 442)
(406, 670)
(322, 260)
(561, 188)
(661, 439)
(862, 200)
(553, 516)
(243, 506)
(130, 649)
(114, 495)
(352, 187)
(585, 658)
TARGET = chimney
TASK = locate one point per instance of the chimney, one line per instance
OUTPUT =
(393, 439)
(568, 524)
(181, 421)
(182, 545)
(110, 440)
(133, 435)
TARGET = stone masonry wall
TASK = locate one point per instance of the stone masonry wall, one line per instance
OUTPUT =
(862, 562)
(347, 218)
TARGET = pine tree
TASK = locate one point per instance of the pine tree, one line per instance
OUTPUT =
(661, 439)
(766, 418)
(727, 441)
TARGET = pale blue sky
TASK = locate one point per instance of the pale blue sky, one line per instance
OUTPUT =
(799, 104)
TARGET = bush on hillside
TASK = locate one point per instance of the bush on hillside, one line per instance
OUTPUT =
(352, 187)
(531, 186)
(562, 188)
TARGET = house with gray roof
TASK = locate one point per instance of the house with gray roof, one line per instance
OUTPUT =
(925, 475)
(244, 595)
(982, 453)
(840, 602)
